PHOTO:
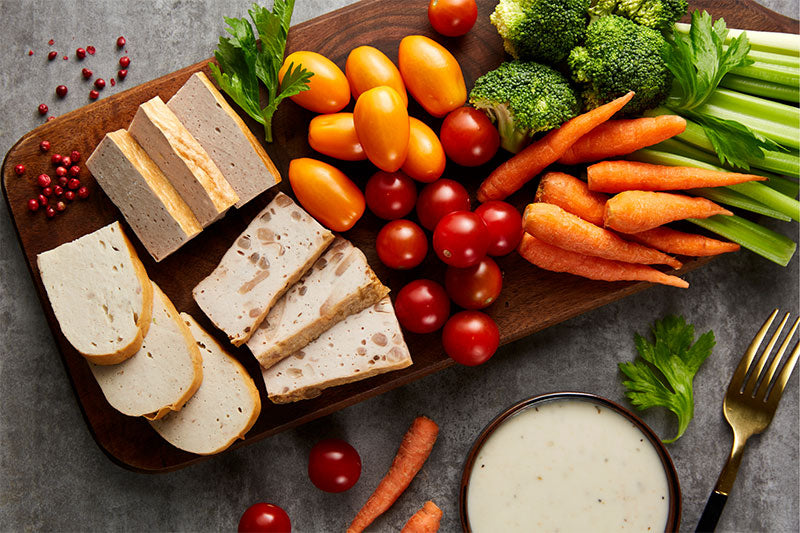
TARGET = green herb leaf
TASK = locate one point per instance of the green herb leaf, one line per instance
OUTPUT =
(664, 374)
(734, 143)
(242, 63)
(699, 60)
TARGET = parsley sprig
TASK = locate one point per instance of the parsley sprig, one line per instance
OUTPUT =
(242, 62)
(664, 374)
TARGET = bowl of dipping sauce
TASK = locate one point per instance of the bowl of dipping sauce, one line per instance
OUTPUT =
(569, 461)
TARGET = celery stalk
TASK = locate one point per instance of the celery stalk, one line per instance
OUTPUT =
(724, 195)
(761, 88)
(785, 163)
(773, 58)
(758, 239)
(769, 72)
(767, 41)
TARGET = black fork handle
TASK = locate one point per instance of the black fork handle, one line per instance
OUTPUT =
(712, 512)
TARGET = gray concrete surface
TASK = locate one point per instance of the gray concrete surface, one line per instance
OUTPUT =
(54, 478)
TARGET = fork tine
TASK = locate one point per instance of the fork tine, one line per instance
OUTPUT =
(751, 382)
(783, 377)
(773, 366)
(741, 371)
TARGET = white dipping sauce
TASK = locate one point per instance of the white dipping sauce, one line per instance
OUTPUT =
(567, 465)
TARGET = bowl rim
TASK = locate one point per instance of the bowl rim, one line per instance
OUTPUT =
(675, 507)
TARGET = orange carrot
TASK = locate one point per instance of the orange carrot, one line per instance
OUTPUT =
(678, 242)
(553, 225)
(622, 137)
(414, 450)
(572, 195)
(637, 211)
(618, 176)
(426, 520)
(517, 171)
(549, 257)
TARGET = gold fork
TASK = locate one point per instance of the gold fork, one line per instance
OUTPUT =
(749, 406)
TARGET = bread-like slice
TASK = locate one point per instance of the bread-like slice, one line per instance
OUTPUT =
(339, 284)
(360, 346)
(225, 136)
(182, 159)
(275, 250)
(162, 375)
(143, 194)
(222, 410)
(100, 294)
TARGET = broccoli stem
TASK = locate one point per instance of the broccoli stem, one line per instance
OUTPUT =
(785, 163)
(780, 74)
(765, 200)
(764, 41)
(758, 239)
(762, 88)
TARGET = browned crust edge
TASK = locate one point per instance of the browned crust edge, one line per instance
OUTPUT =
(249, 384)
(306, 393)
(365, 297)
(194, 354)
(145, 316)
(327, 238)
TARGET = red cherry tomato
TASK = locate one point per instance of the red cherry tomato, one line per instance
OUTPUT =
(422, 306)
(461, 239)
(504, 224)
(470, 337)
(439, 198)
(452, 17)
(264, 518)
(401, 244)
(474, 287)
(334, 465)
(391, 195)
(468, 137)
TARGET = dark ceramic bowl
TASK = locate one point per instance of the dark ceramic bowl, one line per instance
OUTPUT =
(674, 514)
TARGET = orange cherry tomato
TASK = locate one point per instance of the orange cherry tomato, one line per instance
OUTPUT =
(326, 193)
(328, 90)
(431, 74)
(368, 67)
(335, 135)
(425, 161)
(382, 126)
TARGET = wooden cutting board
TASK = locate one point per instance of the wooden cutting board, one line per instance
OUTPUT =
(531, 300)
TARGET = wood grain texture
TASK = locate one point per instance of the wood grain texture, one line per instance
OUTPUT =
(531, 300)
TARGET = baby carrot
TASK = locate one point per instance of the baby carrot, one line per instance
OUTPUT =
(553, 225)
(517, 171)
(426, 520)
(572, 195)
(637, 211)
(622, 137)
(414, 450)
(618, 176)
(549, 257)
(677, 242)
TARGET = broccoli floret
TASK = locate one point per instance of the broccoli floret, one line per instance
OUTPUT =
(656, 14)
(621, 56)
(523, 98)
(541, 30)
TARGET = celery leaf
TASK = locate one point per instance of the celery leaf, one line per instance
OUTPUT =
(243, 62)
(664, 373)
